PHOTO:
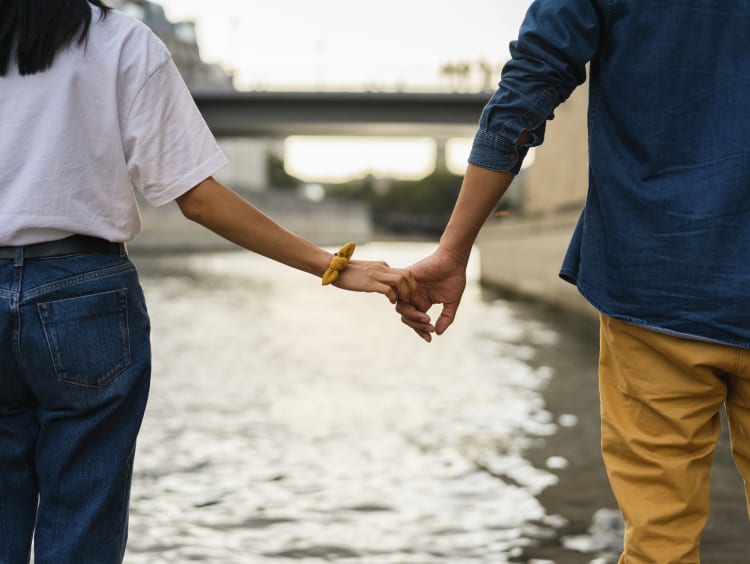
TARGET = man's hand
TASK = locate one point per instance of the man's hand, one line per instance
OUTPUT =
(441, 279)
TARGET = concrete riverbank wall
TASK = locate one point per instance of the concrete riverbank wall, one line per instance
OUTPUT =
(522, 257)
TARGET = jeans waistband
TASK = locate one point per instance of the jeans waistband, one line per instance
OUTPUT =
(76, 244)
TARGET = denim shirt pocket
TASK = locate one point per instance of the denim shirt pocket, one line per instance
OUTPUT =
(88, 337)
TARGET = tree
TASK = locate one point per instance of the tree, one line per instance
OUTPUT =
(278, 177)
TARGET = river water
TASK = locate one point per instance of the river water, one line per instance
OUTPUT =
(290, 422)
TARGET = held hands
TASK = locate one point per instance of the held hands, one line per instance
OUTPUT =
(368, 276)
(376, 276)
(441, 279)
(437, 279)
(221, 210)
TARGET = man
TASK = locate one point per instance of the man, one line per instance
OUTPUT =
(660, 249)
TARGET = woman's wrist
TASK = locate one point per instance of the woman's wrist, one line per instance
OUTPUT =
(339, 262)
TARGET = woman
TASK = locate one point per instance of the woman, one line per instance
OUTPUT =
(91, 105)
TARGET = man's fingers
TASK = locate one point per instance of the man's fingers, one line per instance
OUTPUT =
(417, 320)
(447, 315)
(411, 312)
(426, 335)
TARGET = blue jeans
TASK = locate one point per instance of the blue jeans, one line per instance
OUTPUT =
(75, 367)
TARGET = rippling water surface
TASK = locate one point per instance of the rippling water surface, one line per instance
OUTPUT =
(291, 422)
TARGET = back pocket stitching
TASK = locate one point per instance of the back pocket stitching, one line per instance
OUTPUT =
(53, 343)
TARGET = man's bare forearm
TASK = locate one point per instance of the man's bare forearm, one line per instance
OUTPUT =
(480, 191)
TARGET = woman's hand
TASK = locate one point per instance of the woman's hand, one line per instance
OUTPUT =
(376, 276)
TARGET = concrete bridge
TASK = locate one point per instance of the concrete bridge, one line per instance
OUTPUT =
(279, 114)
(261, 116)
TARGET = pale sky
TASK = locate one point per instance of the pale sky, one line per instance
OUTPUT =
(346, 44)
(351, 45)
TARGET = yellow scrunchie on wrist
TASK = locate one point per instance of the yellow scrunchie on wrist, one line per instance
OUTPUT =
(339, 262)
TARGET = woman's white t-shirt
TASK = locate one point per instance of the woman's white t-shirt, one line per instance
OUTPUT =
(108, 115)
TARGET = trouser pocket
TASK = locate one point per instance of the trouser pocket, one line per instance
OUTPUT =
(88, 337)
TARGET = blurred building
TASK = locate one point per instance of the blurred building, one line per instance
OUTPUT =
(247, 170)
(180, 39)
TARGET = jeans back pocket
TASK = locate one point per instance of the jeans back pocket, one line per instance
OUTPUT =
(88, 337)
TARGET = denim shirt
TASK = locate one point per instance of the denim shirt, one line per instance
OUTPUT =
(664, 237)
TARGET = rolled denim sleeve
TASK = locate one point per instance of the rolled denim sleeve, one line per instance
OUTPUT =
(556, 40)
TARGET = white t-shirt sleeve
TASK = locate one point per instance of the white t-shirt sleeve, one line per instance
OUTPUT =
(167, 144)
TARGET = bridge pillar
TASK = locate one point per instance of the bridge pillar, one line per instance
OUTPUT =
(441, 161)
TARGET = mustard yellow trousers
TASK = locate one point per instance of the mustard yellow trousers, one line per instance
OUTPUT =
(660, 402)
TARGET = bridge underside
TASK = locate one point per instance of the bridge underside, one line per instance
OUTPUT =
(280, 114)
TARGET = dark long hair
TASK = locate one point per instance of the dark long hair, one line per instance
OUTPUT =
(33, 31)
